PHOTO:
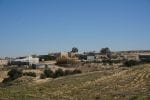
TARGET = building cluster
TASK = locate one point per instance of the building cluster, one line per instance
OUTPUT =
(86, 56)
(136, 55)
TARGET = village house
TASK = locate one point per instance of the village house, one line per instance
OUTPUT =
(29, 60)
(92, 56)
(144, 57)
(3, 62)
(135, 54)
(72, 55)
(62, 55)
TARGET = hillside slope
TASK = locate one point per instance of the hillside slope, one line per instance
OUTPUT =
(119, 84)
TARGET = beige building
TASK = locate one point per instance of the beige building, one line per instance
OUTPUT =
(63, 55)
(131, 57)
(73, 55)
(3, 62)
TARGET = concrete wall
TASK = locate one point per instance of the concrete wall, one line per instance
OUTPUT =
(3, 62)
(28, 59)
(90, 58)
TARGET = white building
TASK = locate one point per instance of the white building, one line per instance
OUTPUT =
(90, 58)
(26, 60)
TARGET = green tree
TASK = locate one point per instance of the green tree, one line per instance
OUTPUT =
(106, 51)
(74, 50)
(14, 74)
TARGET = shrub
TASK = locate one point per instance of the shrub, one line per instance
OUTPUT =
(29, 74)
(48, 73)
(131, 63)
(13, 74)
(110, 62)
(116, 61)
(133, 98)
(33, 66)
(61, 61)
(59, 72)
(76, 71)
(6, 80)
(145, 61)
(46, 66)
(68, 72)
(43, 76)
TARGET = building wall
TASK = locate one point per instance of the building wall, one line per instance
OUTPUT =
(144, 57)
(131, 56)
(26, 60)
(33, 60)
(3, 62)
(90, 58)
(63, 55)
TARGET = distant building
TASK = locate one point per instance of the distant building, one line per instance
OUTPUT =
(144, 57)
(72, 55)
(39, 66)
(87, 56)
(135, 51)
(82, 57)
(3, 62)
(63, 55)
(48, 57)
(135, 54)
(25, 61)
(131, 57)
(91, 58)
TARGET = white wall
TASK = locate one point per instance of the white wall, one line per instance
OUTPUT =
(90, 58)
(29, 59)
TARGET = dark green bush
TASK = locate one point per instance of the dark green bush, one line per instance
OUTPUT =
(116, 61)
(59, 72)
(68, 72)
(76, 71)
(145, 61)
(61, 61)
(133, 98)
(131, 63)
(13, 74)
(33, 74)
(48, 73)
(43, 76)
(6, 80)
(107, 61)
(33, 66)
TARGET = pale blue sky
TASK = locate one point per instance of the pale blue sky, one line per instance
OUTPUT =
(42, 26)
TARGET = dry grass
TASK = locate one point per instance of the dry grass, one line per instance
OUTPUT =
(3, 74)
(119, 84)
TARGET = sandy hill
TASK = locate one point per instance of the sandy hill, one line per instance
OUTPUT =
(115, 84)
